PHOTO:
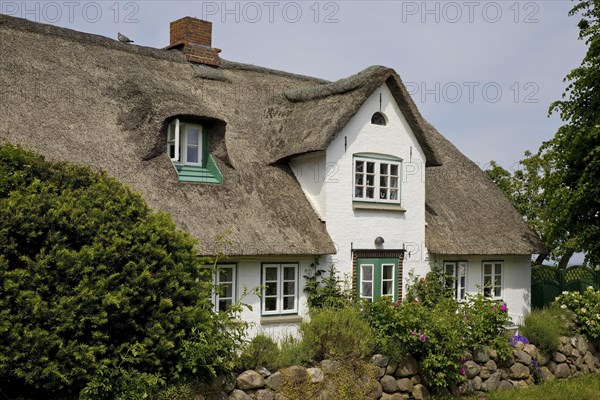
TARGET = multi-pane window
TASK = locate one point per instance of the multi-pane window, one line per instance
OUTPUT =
(224, 292)
(492, 279)
(377, 180)
(280, 289)
(184, 143)
(455, 277)
(377, 277)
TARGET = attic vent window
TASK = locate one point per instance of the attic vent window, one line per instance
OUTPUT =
(187, 147)
(378, 119)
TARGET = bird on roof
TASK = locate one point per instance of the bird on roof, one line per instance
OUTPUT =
(124, 39)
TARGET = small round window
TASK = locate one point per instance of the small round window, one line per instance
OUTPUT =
(378, 119)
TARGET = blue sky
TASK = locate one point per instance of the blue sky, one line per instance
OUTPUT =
(483, 72)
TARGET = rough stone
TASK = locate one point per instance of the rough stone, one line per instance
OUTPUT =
(296, 374)
(279, 396)
(559, 358)
(380, 360)
(264, 372)
(588, 359)
(543, 358)
(274, 381)
(407, 367)
(315, 375)
(564, 340)
(582, 345)
(479, 394)
(415, 379)
(548, 376)
(485, 373)
(491, 384)
(376, 391)
(404, 384)
(531, 350)
(391, 368)
(330, 366)
(522, 357)
(471, 369)
(491, 365)
(522, 384)
(493, 354)
(380, 372)
(518, 371)
(465, 388)
(551, 366)
(250, 380)
(519, 345)
(394, 396)
(239, 395)
(481, 356)
(477, 382)
(575, 353)
(505, 385)
(388, 384)
(566, 350)
(562, 371)
(225, 382)
(264, 395)
(420, 392)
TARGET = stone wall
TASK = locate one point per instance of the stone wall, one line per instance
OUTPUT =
(483, 371)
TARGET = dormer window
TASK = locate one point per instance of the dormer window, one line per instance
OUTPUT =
(378, 119)
(184, 143)
(187, 147)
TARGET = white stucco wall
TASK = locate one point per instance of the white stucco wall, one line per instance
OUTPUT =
(357, 228)
(516, 290)
(248, 276)
(312, 171)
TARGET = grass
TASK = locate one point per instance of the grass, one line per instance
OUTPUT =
(583, 388)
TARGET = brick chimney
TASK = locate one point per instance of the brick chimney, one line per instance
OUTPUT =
(194, 37)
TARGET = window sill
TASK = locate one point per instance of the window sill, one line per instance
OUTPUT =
(281, 319)
(377, 206)
(198, 174)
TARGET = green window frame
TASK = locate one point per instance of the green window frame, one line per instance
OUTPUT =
(224, 291)
(377, 277)
(187, 148)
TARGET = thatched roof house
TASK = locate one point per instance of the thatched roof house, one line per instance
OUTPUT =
(95, 101)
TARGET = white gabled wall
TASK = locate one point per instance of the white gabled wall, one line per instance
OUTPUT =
(516, 287)
(327, 180)
(311, 171)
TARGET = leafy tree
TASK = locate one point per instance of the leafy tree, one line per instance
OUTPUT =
(558, 189)
(524, 187)
(573, 184)
(99, 297)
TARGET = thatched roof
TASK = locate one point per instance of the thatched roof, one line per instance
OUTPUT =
(95, 101)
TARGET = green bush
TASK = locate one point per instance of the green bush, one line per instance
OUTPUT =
(484, 321)
(586, 311)
(293, 351)
(544, 328)
(261, 351)
(434, 336)
(324, 288)
(337, 333)
(99, 297)
(431, 326)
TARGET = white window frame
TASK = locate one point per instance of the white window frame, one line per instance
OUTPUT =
(216, 296)
(280, 294)
(177, 137)
(459, 276)
(393, 280)
(377, 187)
(367, 281)
(492, 276)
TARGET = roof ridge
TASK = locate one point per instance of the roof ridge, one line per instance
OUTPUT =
(235, 65)
(340, 86)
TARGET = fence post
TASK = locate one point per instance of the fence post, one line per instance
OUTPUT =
(561, 279)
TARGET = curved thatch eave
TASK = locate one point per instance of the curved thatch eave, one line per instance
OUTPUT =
(314, 115)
